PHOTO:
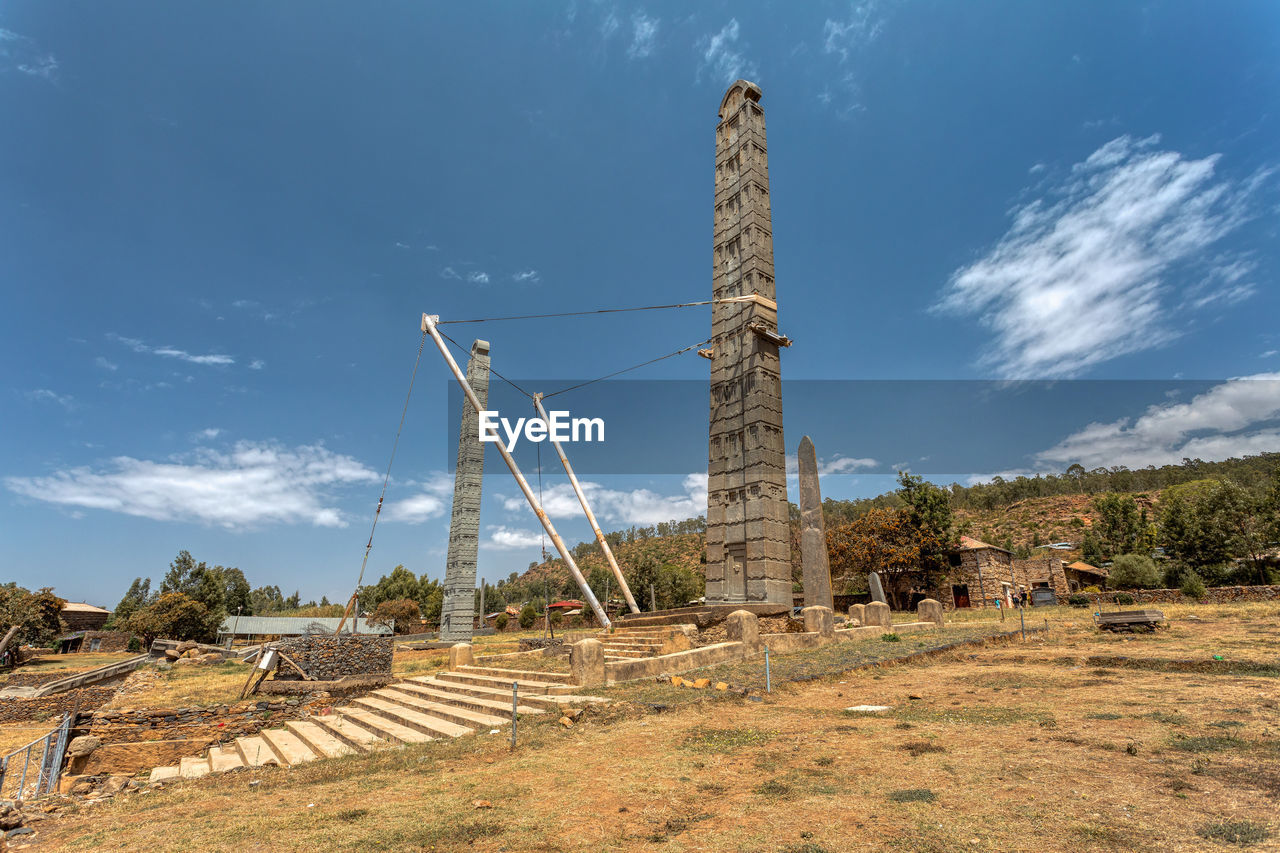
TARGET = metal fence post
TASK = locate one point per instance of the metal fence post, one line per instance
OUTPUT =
(768, 677)
(515, 693)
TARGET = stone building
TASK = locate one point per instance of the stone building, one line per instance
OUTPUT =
(748, 543)
(981, 574)
(79, 616)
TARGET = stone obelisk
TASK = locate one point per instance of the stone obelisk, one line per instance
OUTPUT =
(457, 613)
(748, 538)
(813, 531)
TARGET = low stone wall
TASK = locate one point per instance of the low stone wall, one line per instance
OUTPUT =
(218, 722)
(1213, 595)
(329, 658)
(52, 707)
(42, 677)
(108, 641)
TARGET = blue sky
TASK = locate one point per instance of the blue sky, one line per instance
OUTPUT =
(220, 223)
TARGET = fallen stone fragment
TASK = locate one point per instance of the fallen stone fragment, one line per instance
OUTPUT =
(869, 709)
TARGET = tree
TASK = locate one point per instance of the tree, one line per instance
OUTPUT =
(138, 595)
(266, 600)
(677, 586)
(176, 616)
(884, 541)
(1090, 550)
(1133, 571)
(197, 581)
(35, 614)
(401, 613)
(642, 574)
(527, 617)
(235, 590)
(180, 577)
(1119, 523)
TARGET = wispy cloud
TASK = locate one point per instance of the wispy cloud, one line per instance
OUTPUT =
(635, 506)
(106, 365)
(255, 484)
(44, 395)
(1086, 272)
(1236, 418)
(848, 39)
(526, 277)
(1269, 353)
(511, 539)
(837, 464)
(644, 35)
(257, 364)
(723, 57)
(609, 25)
(450, 272)
(22, 54)
(207, 434)
(171, 352)
(432, 500)
(478, 277)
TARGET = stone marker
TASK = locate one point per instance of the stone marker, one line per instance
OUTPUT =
(878, 614)
(868, 709)
(586, 663)
(743, 626)
(930, 610)
(819, 620)
(813, 533)
(877, 589)
(460, 655)
(457, 613)
(858, 613)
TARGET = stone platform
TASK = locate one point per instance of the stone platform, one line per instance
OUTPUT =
(701, 615)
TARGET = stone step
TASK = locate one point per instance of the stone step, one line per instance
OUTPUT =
(626, 653)
(428, 724)
(385, 728)
(496, 707)
(348, 732)
(526, 686)
(256, 752)
(164, 774)
(443, 710)
(287, 746)
(319, 740)
(544, 701)
(193, 766)
(224, 758)
(518, 674)
(627, 642)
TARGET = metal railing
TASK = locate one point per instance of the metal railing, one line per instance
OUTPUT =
(41, 762)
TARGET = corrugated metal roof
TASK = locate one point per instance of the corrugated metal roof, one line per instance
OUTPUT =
(293, 626)
(81, 607)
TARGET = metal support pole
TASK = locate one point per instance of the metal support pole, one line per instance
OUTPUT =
(586, 508)
(429, 326)
(768, 676)
(1022, 614)
(515, 693)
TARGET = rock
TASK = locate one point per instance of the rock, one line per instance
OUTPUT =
(185, 646)
(83, 745)
(22, 830)
(115, 784)
(184, 662)
(66, 783)
(171, 654)
(211, 657)
(10, 820)
(82, 788)
(566, 722)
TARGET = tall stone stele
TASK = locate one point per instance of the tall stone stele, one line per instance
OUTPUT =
(813, 532)
(748, 542)
(457, 613)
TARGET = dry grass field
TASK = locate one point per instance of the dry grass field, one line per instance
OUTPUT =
(1072, 741)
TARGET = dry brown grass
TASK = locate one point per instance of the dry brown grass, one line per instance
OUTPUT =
(16, 735)
(198, 685)
(1036, 750)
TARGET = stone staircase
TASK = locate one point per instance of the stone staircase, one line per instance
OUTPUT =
(623, 643)
(416, 710)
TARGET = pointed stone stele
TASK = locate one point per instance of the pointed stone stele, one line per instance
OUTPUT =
(813, 532)
(877, 589)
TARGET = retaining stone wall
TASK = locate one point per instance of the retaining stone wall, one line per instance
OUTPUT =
(110, 641)
(40, 678)
(329, 658)
(52, 707)
(218, 722)
(1213, 595)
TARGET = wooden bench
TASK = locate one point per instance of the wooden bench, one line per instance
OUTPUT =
(1130, 620)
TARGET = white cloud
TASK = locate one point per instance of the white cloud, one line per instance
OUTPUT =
(1036, 169)
(44, 395)
(207, 434)
(1086, 273)
(1235, 418)
(433, 500)
(511, 539)
(644, 35)
(637, 506)
(400, 245)
(172, 352)
(257, 364)
(837, 464)
(527, 277)
(254, 484)
(610, 25)
(22, 54)
(721, 55)
(1269, 353)
(859, 29)
(106, 365)
(450, 272)
(478, 277)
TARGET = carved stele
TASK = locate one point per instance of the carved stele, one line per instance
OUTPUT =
(813, 532)
(748, 539)
(457, 613)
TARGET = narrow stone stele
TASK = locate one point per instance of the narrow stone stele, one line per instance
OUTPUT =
(877, 589)
(813, 532)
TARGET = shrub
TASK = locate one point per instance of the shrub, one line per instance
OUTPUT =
(1092, 588)
(1134, 571)
(500, 621)
(890, 638)
(403, 613)
(1236, 832)
(527, 617)
(1078, 600)
(1123, 598)
(135, 645)
(1192, 586)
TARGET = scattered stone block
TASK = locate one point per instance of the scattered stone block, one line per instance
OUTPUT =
(702, 683)
(858, 614)
(868, 709)
(819, 620)
(83, 745)
(460, 655)
(586, 663)
(743, 626)
(877, 613)
(930, 610)
(721, 685)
